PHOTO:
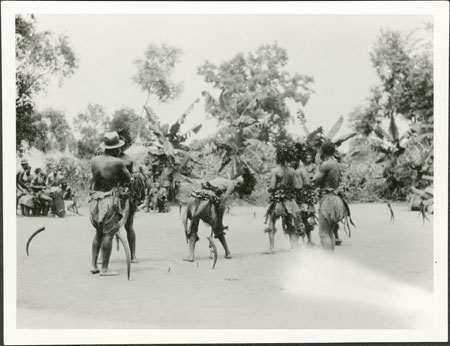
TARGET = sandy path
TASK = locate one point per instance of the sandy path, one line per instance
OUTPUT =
(369, 283)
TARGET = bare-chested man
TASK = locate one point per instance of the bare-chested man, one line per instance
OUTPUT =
(310, 166)
(105, 207)
(306, 198)
(208, 205)
(131, 234)
(332, 206)
(283, 189)
(23, 180)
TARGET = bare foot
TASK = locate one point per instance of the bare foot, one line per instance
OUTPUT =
(228, 256)
(134, 260)
(188, 259)
(109, 273)
(95, 271)
(268, 251)
(310, 244)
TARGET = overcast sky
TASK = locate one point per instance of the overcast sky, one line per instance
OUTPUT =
(333, 49)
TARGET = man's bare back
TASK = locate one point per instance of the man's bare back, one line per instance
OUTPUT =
(127, 161)
(107, 172)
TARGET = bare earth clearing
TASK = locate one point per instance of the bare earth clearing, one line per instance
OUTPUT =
(382, 277)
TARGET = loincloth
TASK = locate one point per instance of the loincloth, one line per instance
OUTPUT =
(106, 210)
(333, 208)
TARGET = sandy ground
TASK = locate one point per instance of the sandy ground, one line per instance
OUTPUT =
(382, 277)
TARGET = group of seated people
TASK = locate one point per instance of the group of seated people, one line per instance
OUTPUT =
(156, 198)
(40, 185)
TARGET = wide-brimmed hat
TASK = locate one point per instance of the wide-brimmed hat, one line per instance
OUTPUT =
(112, 141)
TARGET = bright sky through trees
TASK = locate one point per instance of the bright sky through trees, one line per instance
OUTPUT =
(333, 49)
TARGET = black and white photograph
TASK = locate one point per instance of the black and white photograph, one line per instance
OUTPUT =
(225, 172)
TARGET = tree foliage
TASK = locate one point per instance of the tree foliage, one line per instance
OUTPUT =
(57, 134)
(171, 139)
(237, 142)
(40, 56)
(254, 89)
(155, 71)
(91, 126)
(314, 139)
(404, 66)
(125, 117)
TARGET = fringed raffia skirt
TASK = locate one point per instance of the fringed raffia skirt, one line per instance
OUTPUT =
(107, 210)
(203, 206)
(334, 209)
(284, 209)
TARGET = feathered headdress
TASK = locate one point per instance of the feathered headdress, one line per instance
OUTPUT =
(124, 134)
(248, 184)
(285, 153)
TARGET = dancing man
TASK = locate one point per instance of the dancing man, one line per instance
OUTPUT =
(137, 189)
(283, 189)
(106, 207)
(208, 205)
(306, 198)
(332, 206)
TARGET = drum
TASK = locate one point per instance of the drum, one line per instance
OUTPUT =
(58, 203)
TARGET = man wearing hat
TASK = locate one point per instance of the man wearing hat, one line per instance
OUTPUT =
(105, 205)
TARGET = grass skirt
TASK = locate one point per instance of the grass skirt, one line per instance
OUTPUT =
(333, 209)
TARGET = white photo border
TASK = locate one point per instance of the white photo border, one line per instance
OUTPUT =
(438, 9)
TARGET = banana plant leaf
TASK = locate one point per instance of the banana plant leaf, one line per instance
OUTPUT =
(336, 127)
(168, 148)
(192, 132)
(393, 129)
(243, 119)
(252, 131)
(156, 130)
(225, 161)
(381, 133)
(254, 161)
(344, 138)
(176, 126)
(225, 102)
